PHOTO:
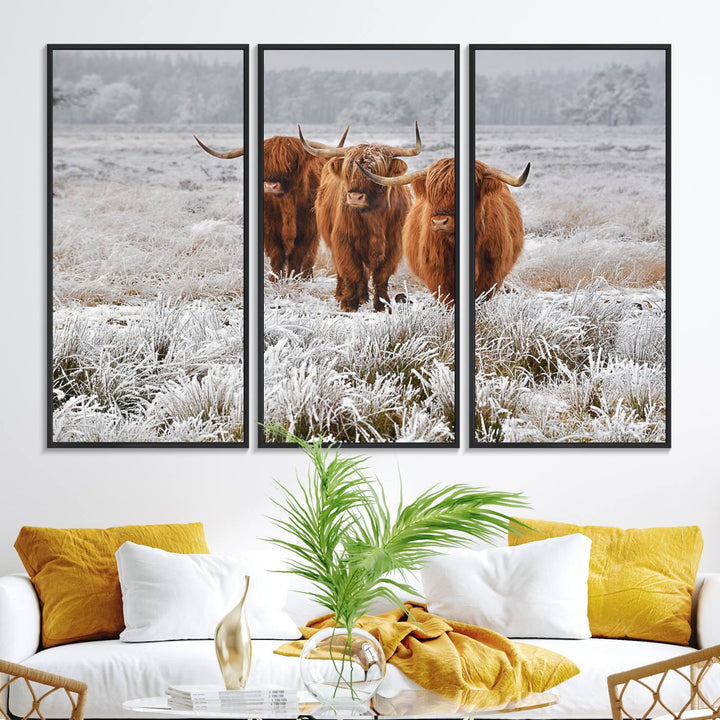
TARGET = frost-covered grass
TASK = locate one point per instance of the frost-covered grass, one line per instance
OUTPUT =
(148, 297)
(362, 377)
(147, 286)
(164, 371)
(574, 350)
(138, 213)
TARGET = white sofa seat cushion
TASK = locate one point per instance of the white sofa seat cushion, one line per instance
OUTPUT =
(117, 671)
(586, 694)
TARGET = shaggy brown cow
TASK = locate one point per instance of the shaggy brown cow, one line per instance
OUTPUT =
(361, 222)
(429, 231)
(290, 181)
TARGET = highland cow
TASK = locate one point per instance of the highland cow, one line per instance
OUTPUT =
(290, 181)
(360, 221)
(429, 230)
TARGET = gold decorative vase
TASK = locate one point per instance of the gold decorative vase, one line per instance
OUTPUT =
(233, 646)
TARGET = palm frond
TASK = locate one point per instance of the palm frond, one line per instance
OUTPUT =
(346, 541)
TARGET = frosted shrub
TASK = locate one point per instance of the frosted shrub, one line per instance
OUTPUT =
(619, 424)
(363, 377)
(497, 400)
(307, 398)
(570, 368)
(420, 425)
(639, 387)
(215, 398)
(131, 374)
(643, 338)
(517, 334)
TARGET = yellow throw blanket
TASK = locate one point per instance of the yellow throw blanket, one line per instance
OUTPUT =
(469, 665)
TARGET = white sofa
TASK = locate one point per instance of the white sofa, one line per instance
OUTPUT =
(116, 671)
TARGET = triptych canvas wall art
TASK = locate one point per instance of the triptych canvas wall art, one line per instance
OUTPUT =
(367, 257)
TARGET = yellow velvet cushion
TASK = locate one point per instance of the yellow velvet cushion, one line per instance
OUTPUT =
(641, 580)
(75, 574)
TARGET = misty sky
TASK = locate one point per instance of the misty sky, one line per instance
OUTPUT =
(372, 61)
(226, 57)
(518, 62)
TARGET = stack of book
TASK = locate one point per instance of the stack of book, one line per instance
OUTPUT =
(251, 701)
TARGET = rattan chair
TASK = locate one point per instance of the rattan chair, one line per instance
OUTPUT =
(41, 685)
(698, 672)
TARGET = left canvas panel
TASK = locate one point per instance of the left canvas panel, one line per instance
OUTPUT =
(147, 252)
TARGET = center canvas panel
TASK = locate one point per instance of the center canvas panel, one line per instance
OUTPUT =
(357, 194)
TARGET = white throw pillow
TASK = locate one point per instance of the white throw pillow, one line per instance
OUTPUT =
(536, 590)
(176, 596)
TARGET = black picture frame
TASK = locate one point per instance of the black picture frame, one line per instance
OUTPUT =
(263, 442)
(474, 442)
(243, 80)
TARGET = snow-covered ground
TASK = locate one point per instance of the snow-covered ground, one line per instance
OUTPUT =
(148, 286)
(148, 299)
(574, 351)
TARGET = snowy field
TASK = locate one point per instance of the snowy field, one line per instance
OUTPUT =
(148, 286)
(365, 376)
(574, 350)
(148, 300)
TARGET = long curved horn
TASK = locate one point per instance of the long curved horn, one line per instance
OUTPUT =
(409, 152)
(392, 181)
(322, 152)
(509, 179)
(225, 155)
(317, 145)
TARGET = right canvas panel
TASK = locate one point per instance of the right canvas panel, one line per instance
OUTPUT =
(569, 215)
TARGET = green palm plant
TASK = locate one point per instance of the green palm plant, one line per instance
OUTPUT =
(344, 538)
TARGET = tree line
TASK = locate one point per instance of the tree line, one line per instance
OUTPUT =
(611, 95)
(359, 98)
(111, 87)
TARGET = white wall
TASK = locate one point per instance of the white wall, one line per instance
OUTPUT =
(227, 489)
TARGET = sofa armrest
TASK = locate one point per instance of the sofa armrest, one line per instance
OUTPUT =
(19, 618)
(708, 610)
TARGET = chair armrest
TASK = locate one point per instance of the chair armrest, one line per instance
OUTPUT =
(19, 618)
(75, 691)
(708, 611)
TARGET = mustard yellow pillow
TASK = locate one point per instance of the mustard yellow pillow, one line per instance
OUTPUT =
(75, 574)
(641, 580)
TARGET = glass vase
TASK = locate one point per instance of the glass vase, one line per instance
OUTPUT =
(233, 646)
(342, 670)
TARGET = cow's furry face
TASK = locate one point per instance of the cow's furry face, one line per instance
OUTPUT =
(361, 193)
(283, 161)
(437, 188)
